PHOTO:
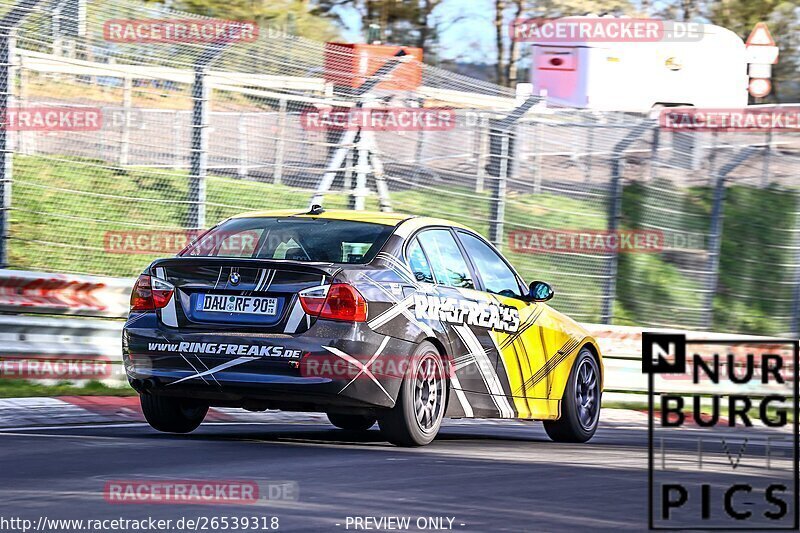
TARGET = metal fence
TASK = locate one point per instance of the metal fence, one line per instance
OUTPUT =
(194, 132)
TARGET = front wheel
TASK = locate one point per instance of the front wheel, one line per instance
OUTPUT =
(416, 417)
(172, 415)
(580, 405)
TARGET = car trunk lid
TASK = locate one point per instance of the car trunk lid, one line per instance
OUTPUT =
(243, 294)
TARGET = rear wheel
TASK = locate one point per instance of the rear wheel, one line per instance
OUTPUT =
(416, 417)
(580, 405)
(172, 415)
(352, 422)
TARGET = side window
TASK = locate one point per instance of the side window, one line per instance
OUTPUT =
(418, 263)
(446, 260)
(497, 277)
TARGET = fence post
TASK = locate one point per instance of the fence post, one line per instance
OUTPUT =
(614, 217)
(6, 152)
(25, 139)
(794, 327)
(279, 142)
(715, 231)
(480, 127)
(420, 145)
(765, 163)
(587, 165)
(127, 102)
(537, 157)
(198, 152)
(715, 247)
(8, 24)
(500, 152)
(241, 134)
(654, 160)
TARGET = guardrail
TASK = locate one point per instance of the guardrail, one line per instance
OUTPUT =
(50, 350)
(73, 348)
(44, 293)
(622, 358)
(57, 342)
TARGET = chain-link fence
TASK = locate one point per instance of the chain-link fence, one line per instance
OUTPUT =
(194, 130)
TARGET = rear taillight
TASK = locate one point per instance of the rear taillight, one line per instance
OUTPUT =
(339, 301)
(150, 293)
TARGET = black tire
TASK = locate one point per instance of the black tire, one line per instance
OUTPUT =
(172, 415)
(580, 405)
(423, 392)
(352, 422)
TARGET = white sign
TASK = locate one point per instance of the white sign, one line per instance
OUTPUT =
(761, 46)
(758, 70)
(760, 36)
(760, 87)
(765, 55)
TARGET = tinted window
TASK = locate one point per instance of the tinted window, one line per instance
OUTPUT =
(418, 263)
(448, 264)
(294, 238)
(496, 275)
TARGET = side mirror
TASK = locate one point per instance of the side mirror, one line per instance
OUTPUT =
(540, 291)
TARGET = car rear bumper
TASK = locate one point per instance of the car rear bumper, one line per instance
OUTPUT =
(332, 365)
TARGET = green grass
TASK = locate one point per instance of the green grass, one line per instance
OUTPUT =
(91, 200)
(63, 207)
(18, 388)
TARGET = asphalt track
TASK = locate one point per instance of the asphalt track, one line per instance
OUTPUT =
(487, 475)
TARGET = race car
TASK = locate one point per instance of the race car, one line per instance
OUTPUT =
(368, 317)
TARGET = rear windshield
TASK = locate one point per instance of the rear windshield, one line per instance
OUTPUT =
(296, 239)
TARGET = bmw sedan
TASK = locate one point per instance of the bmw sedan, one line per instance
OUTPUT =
(368, 317)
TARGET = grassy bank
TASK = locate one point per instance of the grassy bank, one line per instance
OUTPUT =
(64, 210)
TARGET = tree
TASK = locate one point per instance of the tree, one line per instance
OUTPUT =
(402, 22)
(293, 16)
(783, 20)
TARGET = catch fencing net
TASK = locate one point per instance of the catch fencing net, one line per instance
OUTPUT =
(631, 223)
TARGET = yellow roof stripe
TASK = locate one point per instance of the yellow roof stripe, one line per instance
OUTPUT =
(374, 217)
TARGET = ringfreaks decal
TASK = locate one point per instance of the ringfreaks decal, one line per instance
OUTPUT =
(458, 311)
(213, 348)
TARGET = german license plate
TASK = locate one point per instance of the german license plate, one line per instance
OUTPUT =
(246, 305)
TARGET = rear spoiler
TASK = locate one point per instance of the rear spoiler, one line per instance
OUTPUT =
(329, 269)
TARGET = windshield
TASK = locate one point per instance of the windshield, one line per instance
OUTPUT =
(292, 238)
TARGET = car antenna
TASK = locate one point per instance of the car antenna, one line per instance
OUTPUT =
(316, 209)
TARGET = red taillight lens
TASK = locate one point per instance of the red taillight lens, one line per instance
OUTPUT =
(313, 299)
(344, 302)
(339, 301)
(150, 293)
